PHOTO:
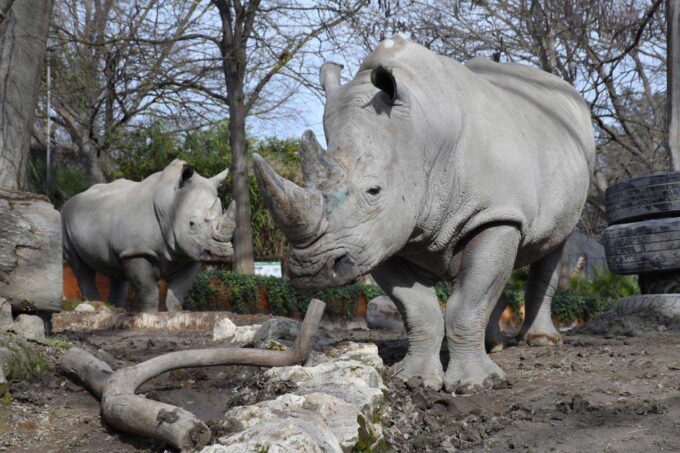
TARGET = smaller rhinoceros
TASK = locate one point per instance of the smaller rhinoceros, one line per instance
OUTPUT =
(140, 232)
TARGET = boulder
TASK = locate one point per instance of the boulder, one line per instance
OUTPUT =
(318, 408)
(280, 436)
(31, 271)
(30, 327)
(382, 313)
(366, 353)
(224, 329)
(278, 329)
(6, 320)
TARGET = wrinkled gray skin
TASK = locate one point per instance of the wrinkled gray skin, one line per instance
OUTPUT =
(440, 170)
(140, 232)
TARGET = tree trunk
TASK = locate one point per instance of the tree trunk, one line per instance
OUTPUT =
(31, 271)
(243, 235)
(23, 37)
(673, 68)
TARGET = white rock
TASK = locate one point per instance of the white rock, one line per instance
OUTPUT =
(382, 313)
(85, 308)
(335, 414)
(30, 327)
(224, 329)
(366, 353)
(6, 320)
(284, 436)
(245, 334)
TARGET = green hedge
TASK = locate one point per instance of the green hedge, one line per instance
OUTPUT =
(222, 290)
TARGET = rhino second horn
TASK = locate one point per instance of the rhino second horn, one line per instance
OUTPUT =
(297, 211)
(225, 225)
(316, 166)
(329, 76)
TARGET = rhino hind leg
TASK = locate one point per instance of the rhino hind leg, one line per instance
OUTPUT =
(538, 328)
(118, 292)
(417, 301)
(86, 277)
(487, 261)
(494, 339)
(179, 285)
(142, 276)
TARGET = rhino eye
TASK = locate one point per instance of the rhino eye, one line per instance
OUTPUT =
(191, 223)
(375, 190)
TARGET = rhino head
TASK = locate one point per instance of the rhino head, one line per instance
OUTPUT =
(191, 217)
(361, 198)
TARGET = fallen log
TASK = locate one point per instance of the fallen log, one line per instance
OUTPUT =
(179, 428)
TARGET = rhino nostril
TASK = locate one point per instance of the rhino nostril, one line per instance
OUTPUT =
(342, 264)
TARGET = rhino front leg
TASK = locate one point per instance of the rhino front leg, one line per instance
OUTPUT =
(419, 307)
(143, 277)
(179, 284)
(538, 328)
(486, 263)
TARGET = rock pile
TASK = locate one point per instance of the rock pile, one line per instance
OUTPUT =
(335, 407)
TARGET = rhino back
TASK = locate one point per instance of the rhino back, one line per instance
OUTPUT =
(109, 221)
(542, 141)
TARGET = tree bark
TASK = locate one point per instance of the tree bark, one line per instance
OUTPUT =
(179, 428)
(673, 68)
(243, 234)
(31, 270)
(23, 38)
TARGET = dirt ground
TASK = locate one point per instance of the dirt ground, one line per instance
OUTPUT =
(613, 386)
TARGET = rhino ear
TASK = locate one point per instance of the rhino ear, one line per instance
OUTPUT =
(383, 79)
(329, 76)
(219, 178)
(187, 173)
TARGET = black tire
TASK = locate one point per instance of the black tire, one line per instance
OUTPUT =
(647, 246)
(647, 197)
(666, 305)
(660, 283)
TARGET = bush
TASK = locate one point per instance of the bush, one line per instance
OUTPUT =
(224, 290)
(66, 181)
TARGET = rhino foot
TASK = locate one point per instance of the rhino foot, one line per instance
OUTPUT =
(426, 367)
(542, 339)
(472, 375)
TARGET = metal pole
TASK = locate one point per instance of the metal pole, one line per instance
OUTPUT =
(673, 82)
(48, 159)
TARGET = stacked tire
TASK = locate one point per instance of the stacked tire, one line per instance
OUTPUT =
(643, 238)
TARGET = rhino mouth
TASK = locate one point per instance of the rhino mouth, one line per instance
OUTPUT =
(327, 269)
(217, 252)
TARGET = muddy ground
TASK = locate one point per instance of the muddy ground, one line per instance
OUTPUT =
(613, 386)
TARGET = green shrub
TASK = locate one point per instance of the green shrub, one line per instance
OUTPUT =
(66, 181)
(219, 290)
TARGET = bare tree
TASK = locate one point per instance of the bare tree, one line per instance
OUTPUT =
(23, 35)
(120, 64)
(258, 42)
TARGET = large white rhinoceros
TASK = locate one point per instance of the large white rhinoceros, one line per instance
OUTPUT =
(139, 232)
(439, 170)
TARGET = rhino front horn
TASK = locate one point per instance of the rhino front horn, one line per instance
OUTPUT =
(297, 211)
